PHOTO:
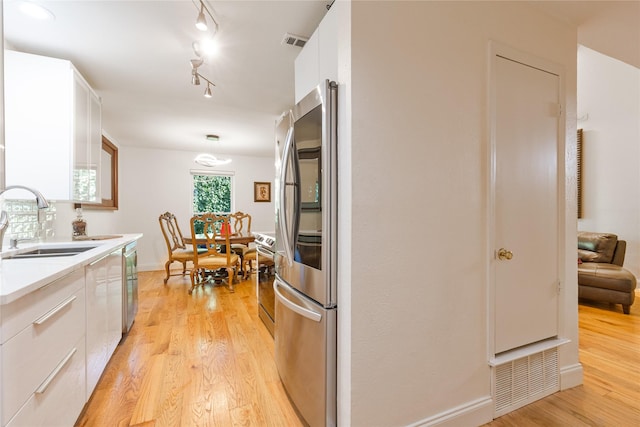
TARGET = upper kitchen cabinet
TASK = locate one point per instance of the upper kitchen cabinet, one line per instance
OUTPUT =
(52, 128)
(318, 60)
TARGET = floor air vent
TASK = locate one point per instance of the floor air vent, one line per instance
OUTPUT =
(293, 40)
(525, 380)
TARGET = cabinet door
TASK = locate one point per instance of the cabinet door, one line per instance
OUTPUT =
(114, 302)
(38, 108)
(318, 60)
(52, 128)
(306, 68)
(104, 314)
(328, 46)
(95, 148)
(61, 402)
(34, 358)
(97, 326)
(526, 204)
(87, 143)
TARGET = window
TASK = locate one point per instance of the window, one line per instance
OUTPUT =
(212, 192)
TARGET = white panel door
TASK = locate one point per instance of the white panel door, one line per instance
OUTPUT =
(525, 204)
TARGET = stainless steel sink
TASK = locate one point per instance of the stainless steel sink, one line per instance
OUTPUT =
(51, 252)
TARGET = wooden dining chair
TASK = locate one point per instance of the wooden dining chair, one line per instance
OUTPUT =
(241, 226)
(208, 225)
(176, 248)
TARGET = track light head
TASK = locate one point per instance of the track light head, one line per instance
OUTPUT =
(201, 22)
(195, 79)
(195, 63)
(207, 91)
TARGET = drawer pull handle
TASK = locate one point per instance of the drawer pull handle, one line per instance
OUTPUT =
(53, 311)
(52, 375)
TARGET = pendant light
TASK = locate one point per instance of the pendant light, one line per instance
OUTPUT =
(209, 160)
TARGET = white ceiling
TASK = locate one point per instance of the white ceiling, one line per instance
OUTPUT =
(136, 56)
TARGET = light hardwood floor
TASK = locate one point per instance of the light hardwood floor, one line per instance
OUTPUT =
(609, 343)
(207, 360)
(192, 360)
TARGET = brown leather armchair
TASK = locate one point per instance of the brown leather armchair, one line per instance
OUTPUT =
(601, 276)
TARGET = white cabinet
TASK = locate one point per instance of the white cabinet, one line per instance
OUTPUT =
(104, 314)
(52, 128)
(318, 60)
(87, 142)
(42, 354)
(306, 68)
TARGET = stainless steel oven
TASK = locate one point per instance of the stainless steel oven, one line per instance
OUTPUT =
(265, 244)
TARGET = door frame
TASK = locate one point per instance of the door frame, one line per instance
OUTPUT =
(497, 49)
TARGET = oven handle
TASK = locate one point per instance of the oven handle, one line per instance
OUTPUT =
(264, 252)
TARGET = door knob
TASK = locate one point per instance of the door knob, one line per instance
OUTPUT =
(505, 254)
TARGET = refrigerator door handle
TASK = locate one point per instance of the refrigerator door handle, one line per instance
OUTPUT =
(281, 210)
(302, 311)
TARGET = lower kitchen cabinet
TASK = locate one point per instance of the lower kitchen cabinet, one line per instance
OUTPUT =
(57, 338)
(60, 401)
(104, 314)
(43, 355)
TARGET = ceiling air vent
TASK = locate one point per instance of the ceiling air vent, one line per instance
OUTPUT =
(293, 40)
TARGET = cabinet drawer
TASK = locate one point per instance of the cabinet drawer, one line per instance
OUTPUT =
(21, 313)
(62, 400)
(30, 357)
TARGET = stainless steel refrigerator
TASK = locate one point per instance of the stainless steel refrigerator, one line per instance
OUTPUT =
(306, 255)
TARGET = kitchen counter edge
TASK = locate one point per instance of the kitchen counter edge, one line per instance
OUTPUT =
(21, 277)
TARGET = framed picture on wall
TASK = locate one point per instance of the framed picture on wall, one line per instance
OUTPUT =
(261, 191)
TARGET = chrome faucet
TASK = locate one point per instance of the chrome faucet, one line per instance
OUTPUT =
(4, 219)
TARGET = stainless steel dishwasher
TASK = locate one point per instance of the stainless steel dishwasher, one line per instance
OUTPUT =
(130, 286)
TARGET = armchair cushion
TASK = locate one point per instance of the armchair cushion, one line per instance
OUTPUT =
(596, 247)
(606, 276)
(601, 276)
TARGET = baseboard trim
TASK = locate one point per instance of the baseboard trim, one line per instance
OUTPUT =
(571, 376)
(476, 412)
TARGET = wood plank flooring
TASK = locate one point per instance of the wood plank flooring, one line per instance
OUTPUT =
(609, 343)
(192, 360)
(207, 360)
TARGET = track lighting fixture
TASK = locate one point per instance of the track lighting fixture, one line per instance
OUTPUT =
(207, 47)
(196, 76)
(207, 91)
(201, 22)
(195, 79)
(200, 48)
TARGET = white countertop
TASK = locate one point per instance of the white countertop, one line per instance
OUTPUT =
(19, 277)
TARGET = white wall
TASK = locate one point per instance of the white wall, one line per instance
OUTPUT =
(609, 112)
(417, 274)
(152, 182)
